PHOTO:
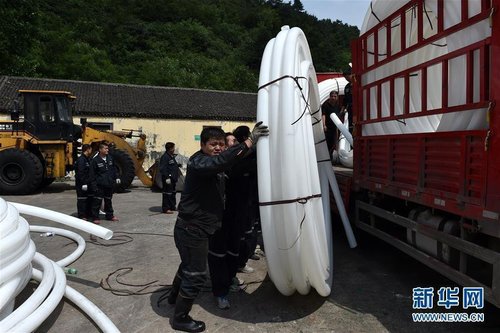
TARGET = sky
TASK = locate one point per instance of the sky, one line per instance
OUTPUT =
(351, 12)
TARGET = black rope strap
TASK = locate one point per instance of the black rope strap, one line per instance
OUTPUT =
(317, 143)
(282, 202)
(296, 80)
(373, 13)
(316, 121)
(322, 161)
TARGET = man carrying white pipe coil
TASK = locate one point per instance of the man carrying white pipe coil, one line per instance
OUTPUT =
(200, 215)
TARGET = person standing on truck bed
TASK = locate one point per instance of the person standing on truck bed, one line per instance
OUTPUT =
(348, 96)
(84, 195)
(103, 177)
(200, 215)
(331, 105)
(169, 170)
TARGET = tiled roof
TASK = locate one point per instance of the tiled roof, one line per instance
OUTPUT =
(127, 100)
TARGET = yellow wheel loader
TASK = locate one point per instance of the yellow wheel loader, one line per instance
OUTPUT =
(41, 145)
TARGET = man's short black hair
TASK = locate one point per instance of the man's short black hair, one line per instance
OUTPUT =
(103, 144)
(347, 71)
(86, 147)
(212, 132)
(241, 133)
(169, 145)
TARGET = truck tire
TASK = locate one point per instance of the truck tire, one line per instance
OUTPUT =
(125, 166)
(21, 172)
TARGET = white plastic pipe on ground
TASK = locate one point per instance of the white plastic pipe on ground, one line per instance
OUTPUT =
(17, 251)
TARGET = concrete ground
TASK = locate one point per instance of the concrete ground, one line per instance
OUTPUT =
(372, 290)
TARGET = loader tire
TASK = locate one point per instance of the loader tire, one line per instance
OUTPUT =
(125, 166)
(21, 172)
(46, 182)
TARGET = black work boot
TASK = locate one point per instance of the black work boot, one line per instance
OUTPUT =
(176, 285)
(182, 321)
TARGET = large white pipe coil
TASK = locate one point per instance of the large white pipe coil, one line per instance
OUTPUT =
(17, 251)
(30, 306)
(293, 163)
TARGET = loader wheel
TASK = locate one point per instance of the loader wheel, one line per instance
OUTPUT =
(46, 182)
(21, 172)
(125, 166)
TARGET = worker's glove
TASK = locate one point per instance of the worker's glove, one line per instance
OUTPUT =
(258, 131)
(168, 181)
(85, 187)
(118, 181)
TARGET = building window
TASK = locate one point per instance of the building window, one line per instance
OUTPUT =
(101, 126)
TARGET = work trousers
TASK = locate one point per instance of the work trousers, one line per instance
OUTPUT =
(105, 193)
(331, 139)
(168, 201)
(84, 203)
(223, 254)
(192, 244)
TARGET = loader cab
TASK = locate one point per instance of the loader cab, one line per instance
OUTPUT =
(48, 114)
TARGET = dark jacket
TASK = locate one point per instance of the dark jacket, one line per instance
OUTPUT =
(327, 109)
(348, 101)
(241, 192)
(103, 173)
(202, 200)
(82, 170)
(169, 167)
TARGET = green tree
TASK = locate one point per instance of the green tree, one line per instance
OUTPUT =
(213, 44)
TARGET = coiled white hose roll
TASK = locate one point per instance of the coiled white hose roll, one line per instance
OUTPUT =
(17, 251)
(292, 170)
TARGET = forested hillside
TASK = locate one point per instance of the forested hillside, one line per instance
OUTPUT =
(209, 44)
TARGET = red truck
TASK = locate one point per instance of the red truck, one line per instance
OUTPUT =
(426, 175)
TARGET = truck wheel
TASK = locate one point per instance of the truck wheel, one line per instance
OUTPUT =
(21, 172)
(125, 166)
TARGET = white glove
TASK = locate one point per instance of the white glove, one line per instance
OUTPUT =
(168, 181)
(118, 181)
(84, 188)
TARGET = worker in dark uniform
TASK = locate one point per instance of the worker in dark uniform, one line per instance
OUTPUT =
(200, 215)
(347, 102)
(224, 244)
(331, 105)
(84, 195)
(104, 176)
(169, 171)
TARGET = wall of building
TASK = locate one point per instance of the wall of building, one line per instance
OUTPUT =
(184, 133)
